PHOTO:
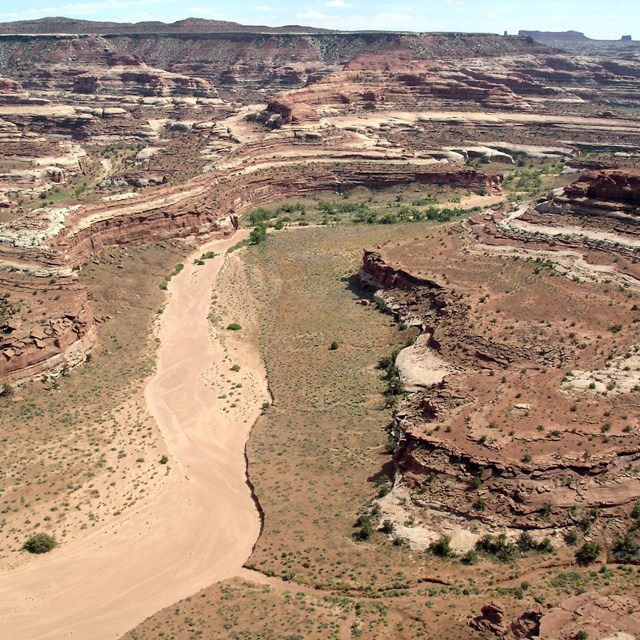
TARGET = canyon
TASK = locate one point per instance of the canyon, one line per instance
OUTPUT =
(519, 400)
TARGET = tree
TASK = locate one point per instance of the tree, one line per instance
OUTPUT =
(258, 234)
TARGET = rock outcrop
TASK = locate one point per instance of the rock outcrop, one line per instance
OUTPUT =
(498, 437)
(31, 345)
(54, 241)
(595, 614)
(491, 619)
(613, 185)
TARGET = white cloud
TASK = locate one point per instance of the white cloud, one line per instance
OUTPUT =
(398, 20)
(205, 12)
(88, 9)
(337, 3)
(310, 14)
(393, 16)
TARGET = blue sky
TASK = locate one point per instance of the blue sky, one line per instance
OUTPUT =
(596, 18)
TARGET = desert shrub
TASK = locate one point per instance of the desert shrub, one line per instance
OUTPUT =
(571, 537)
(626, 549)
(258, 216)
(387, 362)
(526, 542)
(391, 445)
(387, 526)
(234, 326)
(258, 234)
(365, 529)
(479, 504)
(588, 553)
(471, 557)
(40, 543)
(333, 346)
(497, 546)
(442, 547)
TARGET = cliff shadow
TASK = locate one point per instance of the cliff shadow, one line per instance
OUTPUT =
(352, 283)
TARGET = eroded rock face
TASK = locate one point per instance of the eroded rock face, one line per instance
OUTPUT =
(598, 615)
(491, 619)
(498, 439)
(9, 86)
(340, 100)
(621, 186)
(60, 340)
(54, 241)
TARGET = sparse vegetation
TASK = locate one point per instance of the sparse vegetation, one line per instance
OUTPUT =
(588, 553)
(40, 543)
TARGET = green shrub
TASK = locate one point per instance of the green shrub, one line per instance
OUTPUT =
(258, 216)
(497, 546)
(40, 543)
(164, 459)
(588, 553)
(571, 537)
(365, 529)
(234, 326)
(387, 526)
(526, 542)
(333, 346)
(471, 557)
(442, 547)
(258, 234)
(626, 549)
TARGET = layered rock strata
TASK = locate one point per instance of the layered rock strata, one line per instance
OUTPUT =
(55, 241)
(510, 433)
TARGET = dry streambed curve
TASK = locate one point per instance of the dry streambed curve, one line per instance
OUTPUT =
(200, 529)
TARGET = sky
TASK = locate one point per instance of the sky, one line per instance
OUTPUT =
(596, 18)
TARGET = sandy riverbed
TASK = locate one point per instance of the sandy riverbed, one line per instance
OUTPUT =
(198, 530)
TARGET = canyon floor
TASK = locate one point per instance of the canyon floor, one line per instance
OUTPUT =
(317, 335)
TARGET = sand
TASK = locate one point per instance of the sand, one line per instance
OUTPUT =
(199, 529)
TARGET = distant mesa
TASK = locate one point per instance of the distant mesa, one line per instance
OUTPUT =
(68, 26)
(578, 43)
(574, 36)
(540, 36)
